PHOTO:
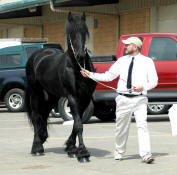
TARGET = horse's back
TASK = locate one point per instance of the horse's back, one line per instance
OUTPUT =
(47, 69)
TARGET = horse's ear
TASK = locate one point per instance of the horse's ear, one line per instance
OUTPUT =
(83, 16)
(70, 17)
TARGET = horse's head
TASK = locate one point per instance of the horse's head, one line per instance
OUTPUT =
(76, 34)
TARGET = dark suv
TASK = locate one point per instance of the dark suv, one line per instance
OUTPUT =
(13, 56)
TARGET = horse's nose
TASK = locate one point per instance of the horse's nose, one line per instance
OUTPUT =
(81, 54)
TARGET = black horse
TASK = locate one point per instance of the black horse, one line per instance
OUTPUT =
(52, 74)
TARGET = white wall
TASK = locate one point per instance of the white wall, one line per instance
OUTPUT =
(90, 24)
(153, 19)
(167, 19)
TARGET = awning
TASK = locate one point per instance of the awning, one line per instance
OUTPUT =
(9, 5)
(15, 5)
(76, 3)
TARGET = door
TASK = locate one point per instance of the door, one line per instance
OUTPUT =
(163, 51)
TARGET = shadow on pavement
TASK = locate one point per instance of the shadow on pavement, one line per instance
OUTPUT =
(93, 151)
(55, 122)
(155, 118)
(97, 121)
(136, 156)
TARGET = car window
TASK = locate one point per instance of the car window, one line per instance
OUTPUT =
(57, 46)
(163, 48)
(10, 60)
(31, 50)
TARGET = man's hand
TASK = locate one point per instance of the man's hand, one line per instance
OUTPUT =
(138, 89)
(85, 73)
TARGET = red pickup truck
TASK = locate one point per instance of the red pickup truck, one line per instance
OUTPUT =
(162, 49)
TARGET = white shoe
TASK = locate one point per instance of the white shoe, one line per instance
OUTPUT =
(148, 159)
(117, 156)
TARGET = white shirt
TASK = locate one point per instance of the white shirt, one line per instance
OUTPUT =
(143, 74)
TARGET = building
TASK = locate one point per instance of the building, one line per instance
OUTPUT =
(106, 21)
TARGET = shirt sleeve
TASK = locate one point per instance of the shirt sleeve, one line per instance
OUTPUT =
(152, 78)
(109, 75)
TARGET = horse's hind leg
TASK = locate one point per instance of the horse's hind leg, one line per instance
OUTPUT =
(40, 134)
(39, 121)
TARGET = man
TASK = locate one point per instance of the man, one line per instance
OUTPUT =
(137, 74)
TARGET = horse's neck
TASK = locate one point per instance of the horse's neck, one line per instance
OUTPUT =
(88, 63)
(73, 59)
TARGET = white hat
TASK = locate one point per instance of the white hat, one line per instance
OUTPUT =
(133, 40)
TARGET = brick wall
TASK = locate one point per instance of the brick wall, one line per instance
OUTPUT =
(32, 32)
(55, 32)
(105, 34)
(1, 34)
(135, 21)
(16, 32)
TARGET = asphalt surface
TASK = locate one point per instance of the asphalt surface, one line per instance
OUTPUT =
(16, 139)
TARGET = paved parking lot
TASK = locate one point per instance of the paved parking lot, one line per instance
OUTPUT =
(16, 139)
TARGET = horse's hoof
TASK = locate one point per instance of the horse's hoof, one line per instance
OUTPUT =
(83, 159)
(37, 154)
(72, 155)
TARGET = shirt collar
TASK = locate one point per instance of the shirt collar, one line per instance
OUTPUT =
(130, 56)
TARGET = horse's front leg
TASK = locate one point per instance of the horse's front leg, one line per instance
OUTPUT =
(71, 148)
(82, 153)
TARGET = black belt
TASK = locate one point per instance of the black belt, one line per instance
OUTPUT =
(130, 95)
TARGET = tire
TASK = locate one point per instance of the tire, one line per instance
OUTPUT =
(65, 111)
(14, 100)
(154, 109)
(104, 111)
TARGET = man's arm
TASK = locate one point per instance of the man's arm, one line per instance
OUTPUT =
(152, 77)
(109, 75)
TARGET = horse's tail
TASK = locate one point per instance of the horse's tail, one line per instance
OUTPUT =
(27, 101)
(30, 76)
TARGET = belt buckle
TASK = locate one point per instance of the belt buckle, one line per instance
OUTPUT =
(130, 91)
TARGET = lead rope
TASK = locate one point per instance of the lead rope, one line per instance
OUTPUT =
(110, 87)
(93, 78)
(75, 55)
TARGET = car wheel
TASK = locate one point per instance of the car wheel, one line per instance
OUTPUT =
(105, 112)
(14, 100)
(155, 109)
(65, 110)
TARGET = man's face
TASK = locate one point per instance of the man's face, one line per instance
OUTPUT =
(130, 48)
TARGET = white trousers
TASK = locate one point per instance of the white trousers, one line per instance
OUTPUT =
(124, 109)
